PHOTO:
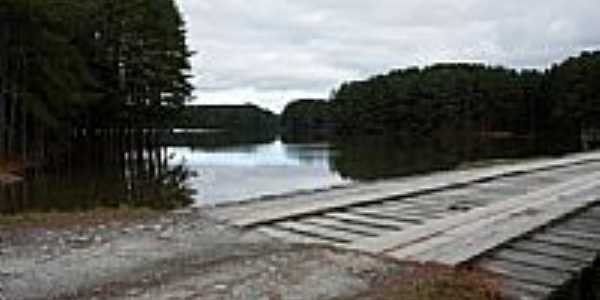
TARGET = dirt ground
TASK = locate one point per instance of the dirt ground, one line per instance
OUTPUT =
(186, 255)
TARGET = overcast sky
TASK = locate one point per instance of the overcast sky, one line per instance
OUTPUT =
(269, 52)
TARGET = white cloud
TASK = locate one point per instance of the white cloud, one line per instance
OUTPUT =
(272, 51)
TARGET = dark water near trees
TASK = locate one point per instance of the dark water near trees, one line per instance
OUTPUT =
(234, 166)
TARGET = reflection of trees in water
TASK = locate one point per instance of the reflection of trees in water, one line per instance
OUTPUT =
(313, 154)
(307, 136)
(102, 171)
(126, 169)
(218, 139)
(369, 158)
(312, 147)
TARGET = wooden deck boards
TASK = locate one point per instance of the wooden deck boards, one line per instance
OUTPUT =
(522, 290)
(371, 221)
(536, 224)
(521, 272)
(543, 261)
(337, 235)
(554, 249)
(257, 213)
(490, 233)
(498, 212)
(348, 226)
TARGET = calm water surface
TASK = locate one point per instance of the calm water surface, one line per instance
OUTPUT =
(234, 167)
(234, 173)
(240, 168)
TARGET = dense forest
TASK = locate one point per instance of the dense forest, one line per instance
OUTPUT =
(88, 85)
(463, 97)
(307, 114)
(246, 117)
(102, 68)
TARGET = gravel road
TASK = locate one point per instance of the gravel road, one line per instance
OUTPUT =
(180, 255)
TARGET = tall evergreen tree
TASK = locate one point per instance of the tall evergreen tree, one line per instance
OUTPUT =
(87, 64)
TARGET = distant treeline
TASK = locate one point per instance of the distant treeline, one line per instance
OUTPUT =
(87, 67)
(307, 114)
(229, 117)
(463, 97)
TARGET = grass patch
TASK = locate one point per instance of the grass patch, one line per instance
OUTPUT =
(434, 282)
(60, 220)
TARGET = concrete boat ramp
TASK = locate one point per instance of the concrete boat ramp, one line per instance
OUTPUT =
(536, 224)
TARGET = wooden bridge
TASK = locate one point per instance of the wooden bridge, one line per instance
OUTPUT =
(535, 224)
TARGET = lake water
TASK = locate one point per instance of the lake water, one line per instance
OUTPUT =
(232, 167)
(244, 172)
(238, 169)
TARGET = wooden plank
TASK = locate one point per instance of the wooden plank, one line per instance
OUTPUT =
(464, 206)
(539, 260)
(585, 235)
(534, 181)
(400, 219)
(443, 197)
(421, 214)
(452, 196)
(408, 210)
(591, 215)
(290, 236)
(525, 273)
(562, 251)
(393, 214)
(519, 290)
(410, 206)
(437, 208)
(568, 241)
(391, 208)
(325, 233)
(582, 224)
(594, 210)
(255, 215)
(576, 170)
(354, 228)
(494, 212)
(369, 221)
(587, 217)
(487, 234)
(494, 187)
(238, 210)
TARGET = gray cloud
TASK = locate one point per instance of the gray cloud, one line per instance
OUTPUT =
(271, 51)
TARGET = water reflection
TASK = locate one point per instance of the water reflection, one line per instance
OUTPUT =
(112, 172)
(380, 157)
(234, 166)
(251, 167)
(239, 172)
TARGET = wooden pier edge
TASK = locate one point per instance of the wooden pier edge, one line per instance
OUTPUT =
(255, 214)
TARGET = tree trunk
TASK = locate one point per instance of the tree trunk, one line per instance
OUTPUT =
(13, 124)
(3, 100)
